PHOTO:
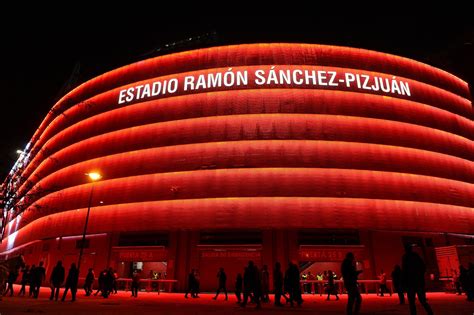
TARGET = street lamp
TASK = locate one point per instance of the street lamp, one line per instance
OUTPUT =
(93, 176)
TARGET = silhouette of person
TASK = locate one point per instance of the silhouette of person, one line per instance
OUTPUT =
(71, 282)
(331, 288)
(135, 283)
(89, 281)
(56, 280)
(265, 284)
(12, 276)
(278, 284)
(108, 282)
(196, 284)
(191, 284)
(238, 287)
(39, 276)
(25, 279)
(413, 277)
(470, 282)
(101, 281)
(32, 280)
(383, 282)
(292, 278)
(397, 283)
(222, 283)
(251, 284)
(350, 274)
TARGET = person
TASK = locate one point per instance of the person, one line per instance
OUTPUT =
(292, 278)
(101, 281)
(71, 282)
(470, 282)
(251, 284)
(383, 283)
(135, 283)
(56, 280)
(350, 274)
(413, 277)
(463, 278)
(197, 283)
(238, 287)
(89, 282)
(12, 276)
(31, 291)
(114, 284)
(265, 284)
(278, 284)
(25, 279)
(222, 278)
(39, 276)
(397, 283)
(191, 284)
(331, 288)
(108, 282)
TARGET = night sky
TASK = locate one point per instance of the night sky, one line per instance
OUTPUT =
(39, 60)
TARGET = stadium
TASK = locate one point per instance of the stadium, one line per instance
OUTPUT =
(264, 152)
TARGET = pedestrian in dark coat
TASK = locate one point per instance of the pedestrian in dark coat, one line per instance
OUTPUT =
(222, 278)
(191, 284)
(413, 277)
(89, 282)
(278, 284)
(238, 287)
(39, 276)
(56, 280)
(397, 283)
(25, 279)
(350, 274)
(71, 282)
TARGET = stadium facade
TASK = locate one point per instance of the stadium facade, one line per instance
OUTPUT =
(264, 152)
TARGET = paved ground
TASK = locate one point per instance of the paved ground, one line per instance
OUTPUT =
(173, 303)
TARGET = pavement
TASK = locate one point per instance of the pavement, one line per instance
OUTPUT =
(175, 303)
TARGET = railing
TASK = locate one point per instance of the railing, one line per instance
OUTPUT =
(364, 284)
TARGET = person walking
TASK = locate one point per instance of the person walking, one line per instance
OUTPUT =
(238, 287)
(56, 280)
(331, 288)
(397, 283)
(251, 285)
(25, 279)
(71, 282)
(101, 282)
(265, 284)
(191, 284)
(39, 276)
(383, 283)
(470, 282)
(222, 283)
(31, 291)
(135, 283)
(293, 284)
(413, 275)
(278, 284)
(12, 276)
(89, 282)
(350, 274)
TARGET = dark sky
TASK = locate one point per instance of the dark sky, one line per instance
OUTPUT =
(38, 59)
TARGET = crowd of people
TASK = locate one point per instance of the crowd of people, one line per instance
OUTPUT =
(253, 284)
(34, 276)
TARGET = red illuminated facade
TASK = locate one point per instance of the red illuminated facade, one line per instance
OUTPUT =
(221, 174)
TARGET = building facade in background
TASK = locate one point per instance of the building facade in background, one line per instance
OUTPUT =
(263, 152)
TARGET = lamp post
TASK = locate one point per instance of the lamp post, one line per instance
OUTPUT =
(93, 176)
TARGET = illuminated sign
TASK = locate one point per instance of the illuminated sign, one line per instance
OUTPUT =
(272, 77)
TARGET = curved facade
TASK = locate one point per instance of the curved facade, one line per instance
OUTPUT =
(260, 137)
